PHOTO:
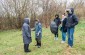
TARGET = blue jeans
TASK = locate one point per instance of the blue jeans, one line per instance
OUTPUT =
(63, 36)
(70, 32)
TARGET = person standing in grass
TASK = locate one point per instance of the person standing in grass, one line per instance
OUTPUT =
(38, 33)
(63, 28)
(72, 21)
(26, 31)
(58, 22)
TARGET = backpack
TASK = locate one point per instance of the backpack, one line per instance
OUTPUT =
(53, 27)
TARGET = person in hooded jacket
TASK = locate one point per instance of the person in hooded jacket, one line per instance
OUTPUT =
(72, 21)
(38, 33)
(58, 22)
(26, 31)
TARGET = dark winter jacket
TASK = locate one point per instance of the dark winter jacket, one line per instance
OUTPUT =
(26, 32)
(57, 21)
(72, 19)
(64, 28)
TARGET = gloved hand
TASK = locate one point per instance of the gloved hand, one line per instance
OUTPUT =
(37, 34)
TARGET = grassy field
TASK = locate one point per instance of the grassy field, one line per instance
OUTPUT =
(11, 43)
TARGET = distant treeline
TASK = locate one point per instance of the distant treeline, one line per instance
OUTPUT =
(12, 12)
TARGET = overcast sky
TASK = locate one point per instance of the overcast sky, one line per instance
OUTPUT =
(40, 9)
(70, 0)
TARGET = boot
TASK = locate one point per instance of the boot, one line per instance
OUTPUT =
(39, 44)
(26, 46)
(36, 42)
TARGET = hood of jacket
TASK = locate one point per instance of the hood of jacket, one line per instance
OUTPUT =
(27, 21)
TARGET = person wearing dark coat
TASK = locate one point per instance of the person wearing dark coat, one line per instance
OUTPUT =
(63, 28)
(38, 33)
(58, 22)
(72, 21)
(26, 31)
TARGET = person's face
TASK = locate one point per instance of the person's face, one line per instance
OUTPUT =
(63, 16)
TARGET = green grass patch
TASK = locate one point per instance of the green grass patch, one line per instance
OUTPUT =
(11, 43)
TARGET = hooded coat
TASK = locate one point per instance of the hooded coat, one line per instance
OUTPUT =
(72, 19)
(26, 31)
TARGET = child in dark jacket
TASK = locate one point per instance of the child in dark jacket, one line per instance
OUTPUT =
(58, 22)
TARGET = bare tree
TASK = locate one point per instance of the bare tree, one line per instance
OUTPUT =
(13, 12)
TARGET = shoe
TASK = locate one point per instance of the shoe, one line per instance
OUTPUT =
(69, 46)
(28, 51)
(62, 41)
(39, 46)
(56, 38)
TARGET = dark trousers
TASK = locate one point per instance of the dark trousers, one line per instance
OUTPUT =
(26, 47)
(38, 42)
(56, 34)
